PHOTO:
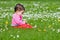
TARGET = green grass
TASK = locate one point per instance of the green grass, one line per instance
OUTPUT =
(43, 15)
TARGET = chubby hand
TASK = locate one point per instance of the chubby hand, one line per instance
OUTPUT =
(25, 22)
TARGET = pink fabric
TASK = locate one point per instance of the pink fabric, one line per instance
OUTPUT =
(17, 20)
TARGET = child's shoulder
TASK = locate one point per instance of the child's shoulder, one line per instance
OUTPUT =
(14, 14)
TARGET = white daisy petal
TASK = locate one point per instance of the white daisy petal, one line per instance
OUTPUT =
(17, 36)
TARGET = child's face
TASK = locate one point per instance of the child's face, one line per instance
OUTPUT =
(20, 12)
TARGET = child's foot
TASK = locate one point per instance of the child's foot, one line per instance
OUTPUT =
(34, 26)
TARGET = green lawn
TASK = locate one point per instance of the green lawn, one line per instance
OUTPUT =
(45, 16)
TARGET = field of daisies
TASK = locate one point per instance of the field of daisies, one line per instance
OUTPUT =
(43, 16)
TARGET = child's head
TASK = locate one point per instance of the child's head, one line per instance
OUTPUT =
(19, 8)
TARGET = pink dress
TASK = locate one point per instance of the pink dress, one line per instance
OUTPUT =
(18, 23)
(17, 20)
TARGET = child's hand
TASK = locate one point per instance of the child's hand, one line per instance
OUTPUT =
(25, 22)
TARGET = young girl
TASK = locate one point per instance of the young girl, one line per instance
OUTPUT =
(17, 21)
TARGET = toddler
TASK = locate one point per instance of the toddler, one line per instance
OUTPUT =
(17, 21)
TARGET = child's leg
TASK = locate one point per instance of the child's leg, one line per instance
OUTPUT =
(25, 26)
(17, 26)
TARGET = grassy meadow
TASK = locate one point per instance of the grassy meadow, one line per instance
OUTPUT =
(45, 16)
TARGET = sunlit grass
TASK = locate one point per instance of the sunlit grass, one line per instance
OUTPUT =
(44, 16)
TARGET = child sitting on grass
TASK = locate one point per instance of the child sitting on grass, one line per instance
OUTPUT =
(17, 21)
